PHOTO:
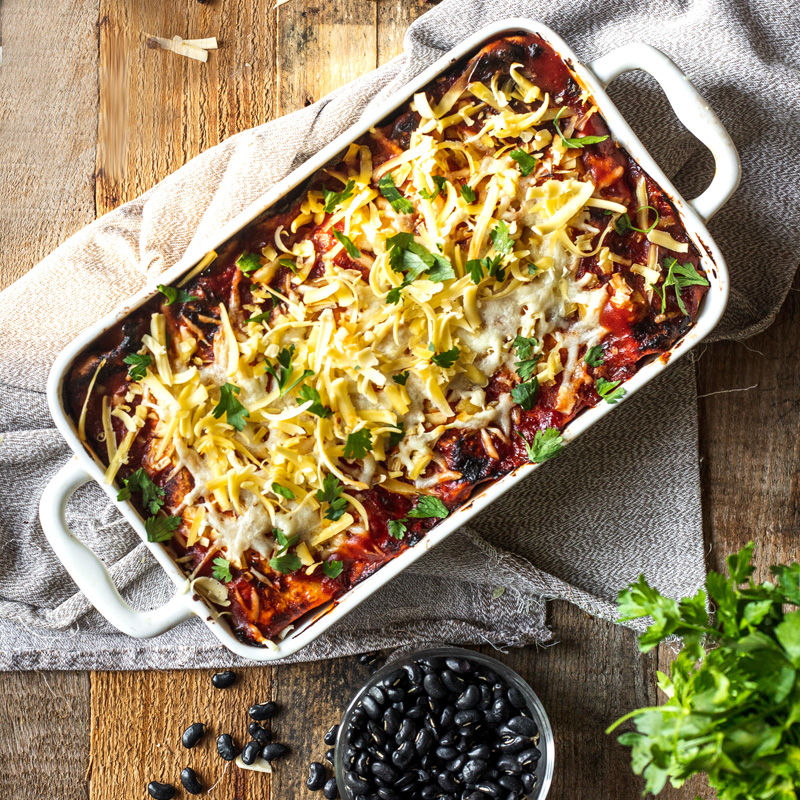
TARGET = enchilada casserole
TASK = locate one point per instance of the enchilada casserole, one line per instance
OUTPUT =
(421, 317)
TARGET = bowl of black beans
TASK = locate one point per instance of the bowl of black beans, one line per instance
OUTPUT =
(445, 724)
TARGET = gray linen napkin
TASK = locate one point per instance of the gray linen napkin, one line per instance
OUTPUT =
(585, 524)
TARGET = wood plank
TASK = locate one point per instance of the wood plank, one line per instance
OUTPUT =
(48, 113)
(394, 17)
(44, 750)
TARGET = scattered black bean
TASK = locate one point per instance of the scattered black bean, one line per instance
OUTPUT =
(263, 711)
(225, 747)
(516, 698)
(250, 752)
(330, 791)
(316, 776)
(330, 755)
(190, 781)
(371, 707)
(261, 735)
(223, 680)
(272, 751)
(160, 791)
(330, 735)
(193, 734)
(528, 782)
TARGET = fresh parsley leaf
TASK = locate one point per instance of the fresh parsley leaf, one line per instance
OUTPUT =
(395, 437)
(347, 243)
(331, 493)
(532, 269)
(332, 569)
(222, 570)
(580, 141)
(608, 390)
(467, 192)
(594, 356)
(138, 364)
(161, 529)
(440, 182)
(234, 411)
(401, 378)
(475, 268)
(624, 224)
(261, 317)
(525, 161)
(282, 371)
(428, 506)
(447, 359)
(139, 481)
(397, 528)
(395, 294)
(441, 269)
(174, 294)
(283, 491)
(526, 367)
(280, 537)
(333, 199)
(307, 393)
(358, 444)
(525, 393)
(527, 363)
(289, 264)
(388, 189)
(680, 276)
(248, 262)
(501, 240)
(286, 563)
(523, 346)
(545, 444)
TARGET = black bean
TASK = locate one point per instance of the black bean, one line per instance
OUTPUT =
(383, 771)
(355, 783)
(415, 712)
(446, 753)
(434, 687)
(486, 696)
(433, 725)
(501, 709)
(404, 755)
(381, 755)
(391, 721)
(482, 751)
(489, 675)
(330, 735)
(192, 735)
(516, 698)
(528, 781)
(414, 672)
(394, 678)
(510, 782)
(225, 746)
(376, 735)
(160, 791)
(190, 781)
(509, 763)
(429, 792)
(490, 788)
(387, 794)
(447, 718)
(447, 782)
(463, 744)
(371, 707)
(524, 725)
(378, 695)
(476, 796)
(316, 776)
(330, 755)
(261, 735)
(473, 770)
(250, 752)
(262, 711)
(272, 751)
(468, 717)
(404, 781)
(361, 764)
(528, 757)
(448, 739)
(330, 791)
(469, 698)
(460, 665)
(456, 764)
(407, 732)
(424, 741)
(223, 680)
(514, 744)
(455, 683)
(361, 741)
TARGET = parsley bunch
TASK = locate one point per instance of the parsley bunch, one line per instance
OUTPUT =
(733, 694)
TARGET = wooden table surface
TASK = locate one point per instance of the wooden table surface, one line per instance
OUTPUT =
(90, 118)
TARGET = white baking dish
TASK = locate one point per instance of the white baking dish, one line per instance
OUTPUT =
(86, 568)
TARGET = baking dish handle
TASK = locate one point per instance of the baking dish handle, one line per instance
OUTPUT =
(691, 109)
(89, 572)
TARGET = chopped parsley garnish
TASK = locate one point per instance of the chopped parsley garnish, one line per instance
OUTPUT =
(333, 199)
(525, 161)
(248, 262)
(139, 362)
(527, 363)
(545, 444)
(532, 269)
(282, 371)
(447, 359)
(440, 182)
(594, 356)
(428, 506)
(307, 393)
(173, 294)
(234, 411)
(399, 203)
(222, 570)
(579, 141)
(624, 224)
(524, 344)
(332, 569)
(161, 529)
(261, 317)
(501, 240)
(331, 493)
(680, 276)
(401, 378)
(139, 481)
(395, 437)
(411, 258)
(286, 563)
(397, 528)
(475, 268)
(347, 243)
(358, 444)
(608, 390)
(525, 368)
(289, 264)
(283, 491)
(467, 192)
(525, 393)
